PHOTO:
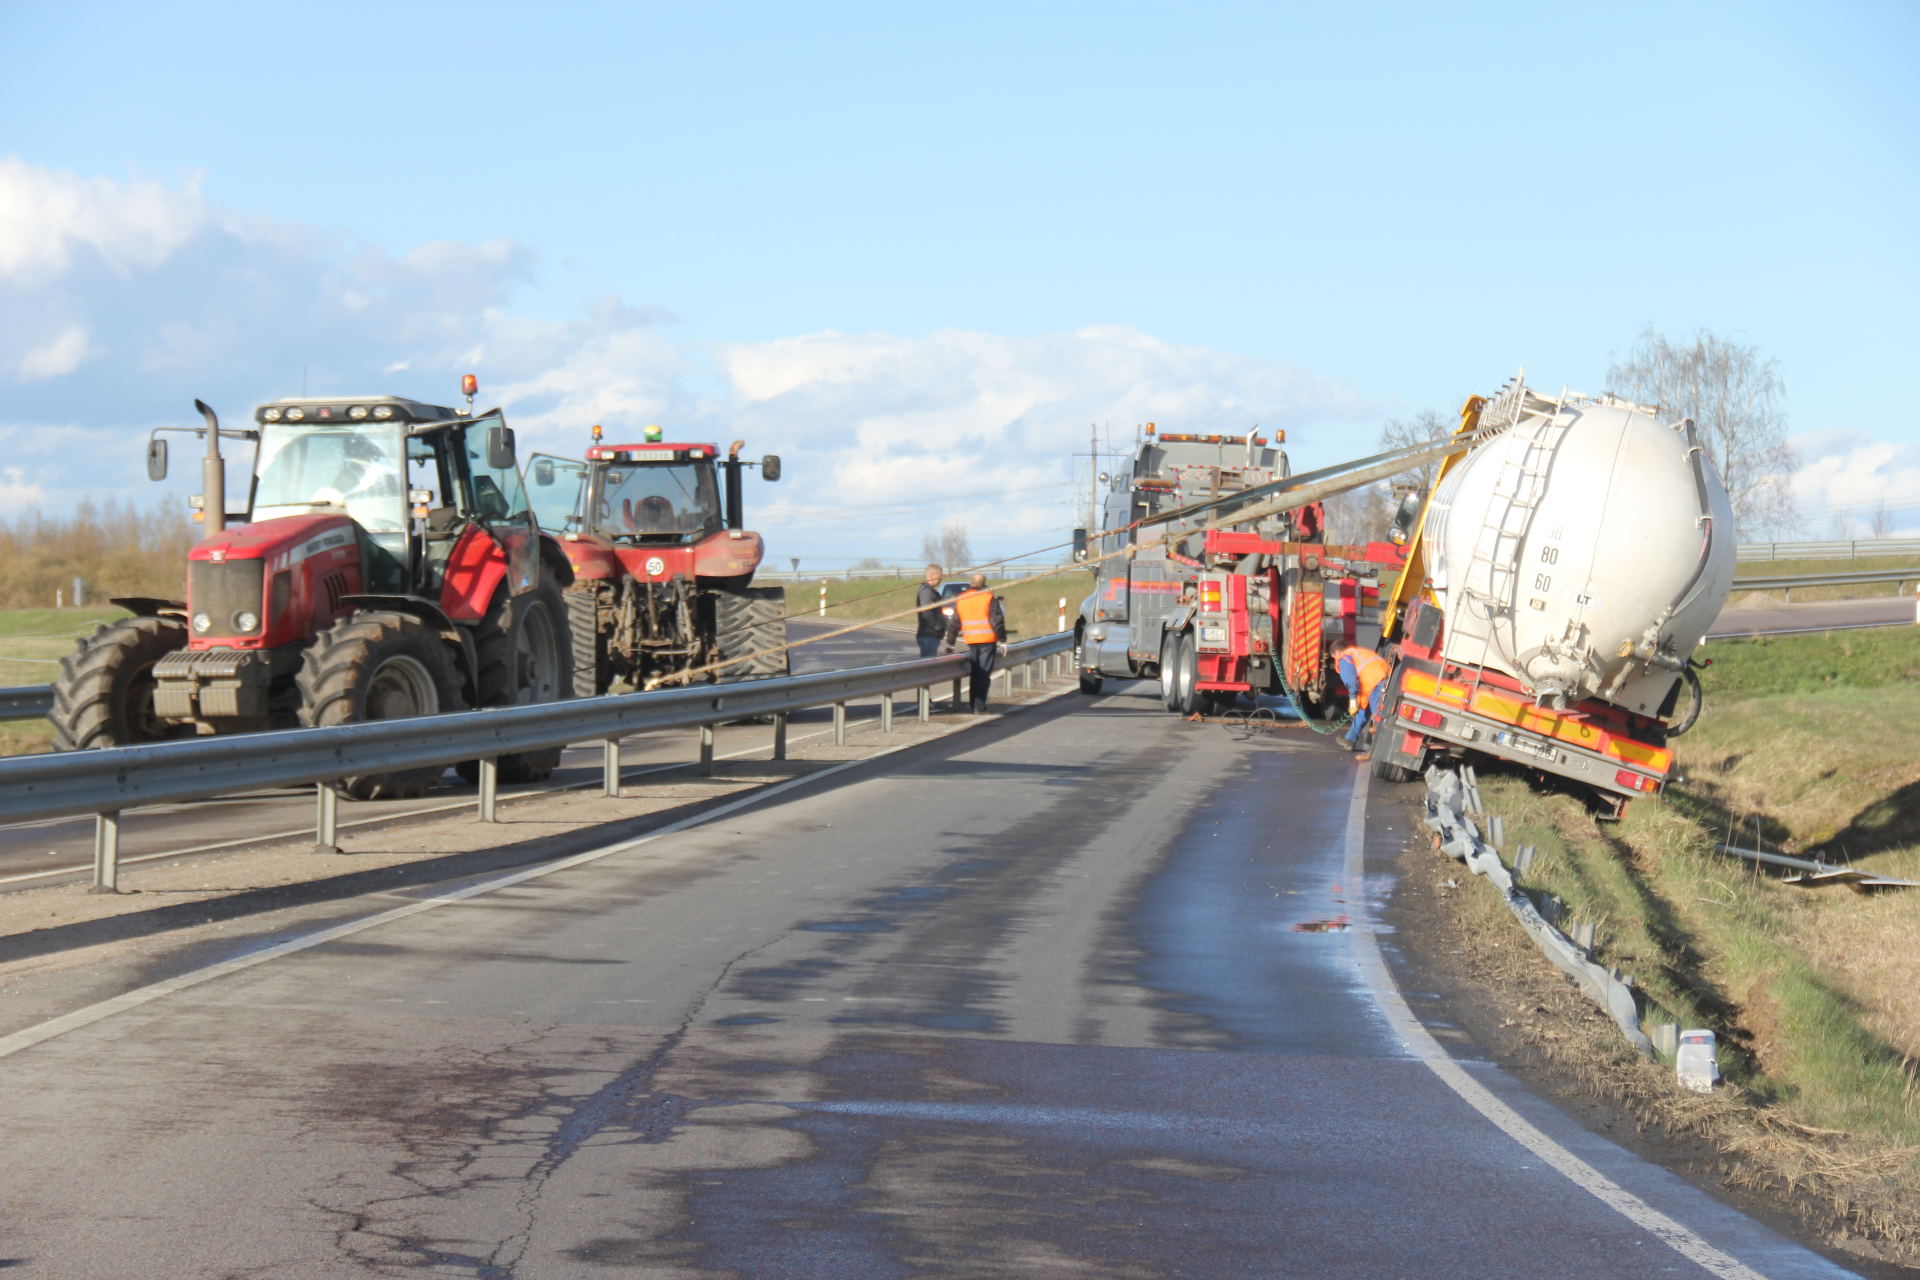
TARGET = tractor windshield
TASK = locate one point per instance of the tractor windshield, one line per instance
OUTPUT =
(312, 470)
(656, 498)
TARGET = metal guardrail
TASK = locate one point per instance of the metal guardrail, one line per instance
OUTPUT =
(107, 781)
(1788, 582)
(1837, 549)
(26, 701)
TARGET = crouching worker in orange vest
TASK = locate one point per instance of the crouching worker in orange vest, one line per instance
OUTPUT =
(981, 624)
(1364, 672)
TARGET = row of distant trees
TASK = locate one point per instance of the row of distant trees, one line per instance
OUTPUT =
(115, 547)
(1733, 394)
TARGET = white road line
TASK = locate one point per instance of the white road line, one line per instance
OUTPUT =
(1476, 1095)
(42, 1032)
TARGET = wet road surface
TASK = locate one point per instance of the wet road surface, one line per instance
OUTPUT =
(48, 851)
(1083, 992)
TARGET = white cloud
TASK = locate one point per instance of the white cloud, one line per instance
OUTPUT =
(161, 299)
(16, 491)
(47, 216)
(1846, 477)
(59, 355)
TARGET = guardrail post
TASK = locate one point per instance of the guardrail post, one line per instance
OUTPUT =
(489, 788)
(106, 853)
(886, 713)
(956, 694)
(839, 724)
(610, 766)
(326, 818)
(706, 750)
(780, 735)
(926, 702)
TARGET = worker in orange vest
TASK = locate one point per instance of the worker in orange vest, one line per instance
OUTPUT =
(1365, 673)
(981, 624)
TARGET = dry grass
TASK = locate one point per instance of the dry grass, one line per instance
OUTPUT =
(1813, 994)
(1033, 608)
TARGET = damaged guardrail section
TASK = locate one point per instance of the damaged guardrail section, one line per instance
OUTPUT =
(1466, 832)
(107, 781)
(1452, 800)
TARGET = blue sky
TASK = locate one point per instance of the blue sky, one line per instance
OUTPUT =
(917, 248)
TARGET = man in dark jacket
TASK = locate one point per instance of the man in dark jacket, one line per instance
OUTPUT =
(981, 624)
(930, 624)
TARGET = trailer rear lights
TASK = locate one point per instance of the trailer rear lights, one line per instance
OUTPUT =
(1423, 716)
(1636, 781)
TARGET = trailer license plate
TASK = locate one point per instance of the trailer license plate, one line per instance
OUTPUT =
(1515, 742)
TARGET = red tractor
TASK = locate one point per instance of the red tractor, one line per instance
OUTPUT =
(662, 570)
(387, 565)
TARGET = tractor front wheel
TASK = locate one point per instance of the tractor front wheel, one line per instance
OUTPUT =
(378, 666)
(104, 696)
(526, 656)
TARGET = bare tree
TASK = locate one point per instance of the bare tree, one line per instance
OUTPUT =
(949, 548)
(1423, 428)
(1734, 396)
(1880, 523)
(1363, 515)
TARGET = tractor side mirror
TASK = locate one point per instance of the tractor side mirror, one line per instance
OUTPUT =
(1403, 518)
(1079, 544)
(500, 448)
(156, 458)
(770, 467)
(543, 473)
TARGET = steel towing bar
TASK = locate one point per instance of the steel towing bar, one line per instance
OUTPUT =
(111, 780)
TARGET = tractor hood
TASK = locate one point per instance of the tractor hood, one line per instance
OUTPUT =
(286, 540)
(724, 553)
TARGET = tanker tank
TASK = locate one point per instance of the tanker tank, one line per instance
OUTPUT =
(1583, 551)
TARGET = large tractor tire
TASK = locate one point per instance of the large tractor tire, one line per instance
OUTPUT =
(592, 674)
(104, 696)
(378, 666)
(526, 656)
(751, 621)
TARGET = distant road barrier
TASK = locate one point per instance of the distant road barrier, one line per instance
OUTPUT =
(1843, 549)
(1786, 583)
(110, 780)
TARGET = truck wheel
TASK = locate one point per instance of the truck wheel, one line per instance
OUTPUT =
(752, 620)
(1186, 674)
(378, 666)
(1694, 701)
(1383, 767)
(104, 696)
(1169, 663)
(526, 656)
(591, 675)
(1090, 681)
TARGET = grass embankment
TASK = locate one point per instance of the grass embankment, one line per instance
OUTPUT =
(1032, 607)
(32, 642)
(1840, 591)
(1809, 745)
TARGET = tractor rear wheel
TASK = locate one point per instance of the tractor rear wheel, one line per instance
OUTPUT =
(1186, 674)
(378, 666)
(104, 696)
(591, 674)
(752, 620)
(526, 656)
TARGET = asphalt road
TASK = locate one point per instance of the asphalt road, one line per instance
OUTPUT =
(36, 853)
(1066, 995)
(1819, 615)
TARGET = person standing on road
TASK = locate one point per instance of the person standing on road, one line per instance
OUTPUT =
(1364, 672)
(930, 624)
(981, 624)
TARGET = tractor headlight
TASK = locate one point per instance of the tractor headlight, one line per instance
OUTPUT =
(296, 414)
(383, 411)
(201, 622)
(357, 412)
(246, 620)
(270, 415)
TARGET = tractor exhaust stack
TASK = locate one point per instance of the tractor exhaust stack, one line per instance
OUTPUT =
(213, 477)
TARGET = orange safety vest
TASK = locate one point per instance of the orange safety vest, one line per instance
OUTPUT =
(975, 611)
(1372, 668)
